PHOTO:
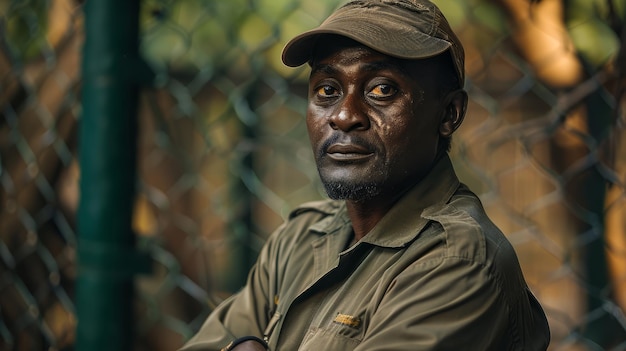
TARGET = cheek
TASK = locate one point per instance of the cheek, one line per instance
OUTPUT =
(314, 114)
(388, 129)
(398, 124)
(391, 121)
(313, 126)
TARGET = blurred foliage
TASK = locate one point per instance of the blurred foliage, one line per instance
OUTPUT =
(197, 35)
(24, 23)
(589, 25)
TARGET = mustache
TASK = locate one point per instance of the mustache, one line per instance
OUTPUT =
(339, 138)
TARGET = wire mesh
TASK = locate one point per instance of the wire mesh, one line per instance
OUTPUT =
(224, 156)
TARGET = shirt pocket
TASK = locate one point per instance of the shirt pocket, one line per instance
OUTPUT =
(337, 338)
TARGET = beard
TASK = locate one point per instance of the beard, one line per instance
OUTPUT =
(355, 188)
(338, 190)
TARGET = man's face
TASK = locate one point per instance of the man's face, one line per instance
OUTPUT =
(373, 121)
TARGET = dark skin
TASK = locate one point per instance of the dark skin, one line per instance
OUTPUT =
(374, 122)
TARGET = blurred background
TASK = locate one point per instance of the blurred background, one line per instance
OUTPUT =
(203, 152)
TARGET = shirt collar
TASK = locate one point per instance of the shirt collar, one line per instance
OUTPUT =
(404, 221)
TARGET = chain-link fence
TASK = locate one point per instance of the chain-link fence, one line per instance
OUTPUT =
(223, 156)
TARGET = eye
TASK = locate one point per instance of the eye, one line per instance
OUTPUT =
(327, 91)
(382, 91)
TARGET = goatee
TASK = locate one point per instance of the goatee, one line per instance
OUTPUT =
(338, 190)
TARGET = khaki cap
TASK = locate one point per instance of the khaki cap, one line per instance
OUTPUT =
(406, 29)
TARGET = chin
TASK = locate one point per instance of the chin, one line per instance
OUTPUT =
(338, 190)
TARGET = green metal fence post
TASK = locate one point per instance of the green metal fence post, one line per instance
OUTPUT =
(107, 258)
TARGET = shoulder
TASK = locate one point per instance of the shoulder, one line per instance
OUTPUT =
(468, 231)
(300, 228)
(471, 237)
(313, 214)
(316, 208)
(306, 218)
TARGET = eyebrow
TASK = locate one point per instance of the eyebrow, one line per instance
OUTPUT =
(324, 68)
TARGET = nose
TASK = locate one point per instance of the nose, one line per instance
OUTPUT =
(350, 114)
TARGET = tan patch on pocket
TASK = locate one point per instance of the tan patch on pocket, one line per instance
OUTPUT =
(348, 320)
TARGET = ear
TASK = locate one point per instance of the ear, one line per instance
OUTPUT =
(454, 112)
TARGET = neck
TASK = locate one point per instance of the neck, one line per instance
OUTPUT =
(364, 215)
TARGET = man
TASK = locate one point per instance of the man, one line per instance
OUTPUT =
(405, 257)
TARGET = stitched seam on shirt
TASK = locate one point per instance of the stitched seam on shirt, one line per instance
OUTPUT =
(480, 232)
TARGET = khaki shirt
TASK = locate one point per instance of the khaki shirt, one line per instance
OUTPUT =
(434, 274)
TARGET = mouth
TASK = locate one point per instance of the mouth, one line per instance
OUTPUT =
(348, 152)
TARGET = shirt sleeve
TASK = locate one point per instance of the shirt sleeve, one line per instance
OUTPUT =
(443, 304)
(245, 313)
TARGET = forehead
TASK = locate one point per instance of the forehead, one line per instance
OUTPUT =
(332, 47)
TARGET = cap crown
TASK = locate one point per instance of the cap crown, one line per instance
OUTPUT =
(407, 29)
